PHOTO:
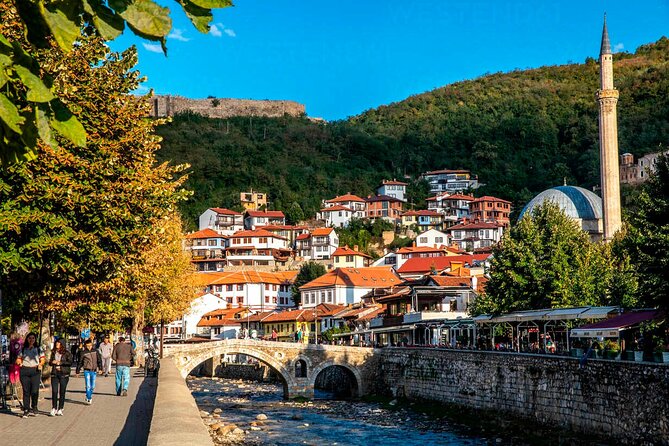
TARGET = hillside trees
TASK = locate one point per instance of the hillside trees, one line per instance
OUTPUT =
(547, 261)
(75, 218)
(648, 238)
(521, 132)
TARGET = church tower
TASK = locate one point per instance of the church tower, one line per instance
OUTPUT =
(607, 96)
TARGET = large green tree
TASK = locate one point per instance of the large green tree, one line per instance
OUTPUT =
(547, 261)
(75, 218)
(648, 238)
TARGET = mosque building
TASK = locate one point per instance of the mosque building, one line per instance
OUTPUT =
(600, 217)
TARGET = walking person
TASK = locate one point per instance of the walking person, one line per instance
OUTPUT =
(91, 361)
(31, 360)
(275, 335)
(106, 349)
(61, 361)
(123, 355)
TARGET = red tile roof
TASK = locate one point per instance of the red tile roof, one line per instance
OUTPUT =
(344, 198)
(412, 249)
(346, 251)
(250, 276)
(427, 264)
(204, 233)
(393, 182)
(452, 281)
(321, 232)
(490, 198)
(370, 277)
(278, 214)
(281, 227)
(383, 198)
(336, 208)
(303, 236)
(224, 211)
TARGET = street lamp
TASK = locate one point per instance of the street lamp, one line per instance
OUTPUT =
(316, 325)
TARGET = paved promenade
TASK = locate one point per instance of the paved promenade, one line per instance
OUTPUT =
(110, 420)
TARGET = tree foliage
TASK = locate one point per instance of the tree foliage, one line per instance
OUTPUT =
(75, 218)
(30, 108)
(648, 238)
(308, 272)
(521, 132)
(547, 261)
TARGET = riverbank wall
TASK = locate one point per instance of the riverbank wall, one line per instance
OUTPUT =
(622, 400)
(176, 418)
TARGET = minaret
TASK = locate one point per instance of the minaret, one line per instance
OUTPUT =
(607, 96)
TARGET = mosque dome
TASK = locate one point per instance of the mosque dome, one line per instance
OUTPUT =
(576, 202)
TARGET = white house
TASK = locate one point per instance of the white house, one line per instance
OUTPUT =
(476, 235)
(186, 327)
(448, 180)
(393, 188)
(345, 286)
(207, 248)
(256, 219)
(320, 244)
(454, 207)
(224, 221)
(222, 324)
(432, 238)
(256, 290)
(338, 216)
(350, 201)
(257, 248)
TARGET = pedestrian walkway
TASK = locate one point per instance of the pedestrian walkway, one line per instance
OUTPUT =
(110, 420)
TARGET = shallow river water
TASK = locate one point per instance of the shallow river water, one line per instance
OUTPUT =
(228, 403)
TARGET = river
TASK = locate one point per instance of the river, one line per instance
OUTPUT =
(262, 417)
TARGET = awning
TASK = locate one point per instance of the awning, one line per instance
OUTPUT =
(393, 329)
(549, 314)
(611, 328)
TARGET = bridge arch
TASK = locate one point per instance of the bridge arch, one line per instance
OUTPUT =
(189, 362)
(353, 370)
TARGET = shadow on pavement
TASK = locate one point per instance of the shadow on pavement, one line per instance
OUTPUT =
(136, 429)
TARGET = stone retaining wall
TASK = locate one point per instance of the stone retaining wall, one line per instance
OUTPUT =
(176, 418)
(626, 401)
(249, 372)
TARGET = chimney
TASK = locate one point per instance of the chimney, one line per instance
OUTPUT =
(355, 247)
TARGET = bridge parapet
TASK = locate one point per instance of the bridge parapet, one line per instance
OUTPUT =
(283, 357)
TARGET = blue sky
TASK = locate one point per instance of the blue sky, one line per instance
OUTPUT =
(343, 57)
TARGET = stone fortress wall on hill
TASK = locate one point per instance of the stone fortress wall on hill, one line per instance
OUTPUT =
(164, 106)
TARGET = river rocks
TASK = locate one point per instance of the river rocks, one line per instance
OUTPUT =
(296, 417)
(255, 428)
(204, 414)
(218, 410)
(222, 430)
(261, 417)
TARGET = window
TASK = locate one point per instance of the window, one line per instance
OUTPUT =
(229, 299)
(274, 299)
(212, 242)
(266, 299)
(340, 213)
(240, 287)
(273, 287)
(247, 240)
(240, 300)
(322, 296)
(267, 287)
(263, 239)
(228, 288)
(423, 240)
(336, 259)
(219, 288)
(439, 240)
(329, 296)
(349, 258)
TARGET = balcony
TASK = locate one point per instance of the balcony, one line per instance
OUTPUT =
(426, 316)
(388, 321)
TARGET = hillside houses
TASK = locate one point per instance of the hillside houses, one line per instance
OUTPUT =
(257, 248)
(393, 188)
(451, 181)
(256, 219)
(256, 290)
(318, 244)
(224, 221)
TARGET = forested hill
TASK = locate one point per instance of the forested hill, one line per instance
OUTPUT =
(521, 132)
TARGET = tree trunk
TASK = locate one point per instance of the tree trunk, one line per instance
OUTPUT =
(162, 337)
(46, 343)
(137, 334)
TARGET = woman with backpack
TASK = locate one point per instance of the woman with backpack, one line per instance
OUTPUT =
(61, 363)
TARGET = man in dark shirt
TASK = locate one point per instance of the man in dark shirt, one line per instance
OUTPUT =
(124, 355)
(91, 361)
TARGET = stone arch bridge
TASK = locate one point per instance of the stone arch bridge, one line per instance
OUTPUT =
(298, 364)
